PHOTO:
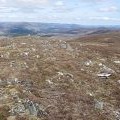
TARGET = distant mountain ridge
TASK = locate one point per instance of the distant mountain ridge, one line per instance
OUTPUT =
(46, 29)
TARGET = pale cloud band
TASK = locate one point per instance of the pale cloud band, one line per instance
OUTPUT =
(109, 9)
(105, 19)
(63, 11)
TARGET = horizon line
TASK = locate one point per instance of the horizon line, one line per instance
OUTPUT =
(58, 23)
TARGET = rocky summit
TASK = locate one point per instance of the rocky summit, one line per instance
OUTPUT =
(60, 78)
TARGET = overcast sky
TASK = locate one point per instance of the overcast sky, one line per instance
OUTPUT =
(87, 12)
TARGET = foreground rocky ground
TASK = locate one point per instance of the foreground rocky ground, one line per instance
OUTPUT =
(49, 78)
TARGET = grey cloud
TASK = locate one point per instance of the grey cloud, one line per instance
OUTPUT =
(22, 6)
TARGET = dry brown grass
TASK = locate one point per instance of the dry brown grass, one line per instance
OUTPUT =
(65, 97)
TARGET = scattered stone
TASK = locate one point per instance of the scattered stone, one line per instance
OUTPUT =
(1, 56)
(117, 62)
(69, 75)
(117, 114)
(17, 109)
(100, 64)
(33, 49)
(26, 53)
(60, 73)
(34, 108)
(23, 43)
(49, 81)
(104, 75)
(88, 63)
(99, 104)
(37, 56)
(107, 70)
(63, 45)
(119, 81)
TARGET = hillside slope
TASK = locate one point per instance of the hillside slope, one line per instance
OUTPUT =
(44, 78)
